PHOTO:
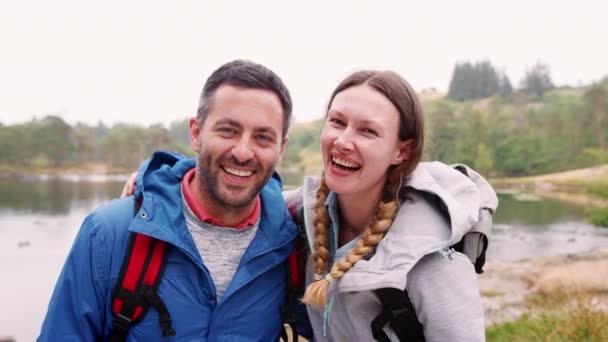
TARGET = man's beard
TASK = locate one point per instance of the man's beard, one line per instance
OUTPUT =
(209, 175)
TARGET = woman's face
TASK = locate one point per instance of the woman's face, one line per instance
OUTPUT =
(360, 141)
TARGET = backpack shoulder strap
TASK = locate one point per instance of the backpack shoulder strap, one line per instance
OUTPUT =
(399, 312)
(295, 267)
(475, 243)
(137, 284)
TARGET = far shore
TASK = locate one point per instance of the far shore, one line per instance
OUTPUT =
(570, 186)
(75, 172)
(574, 186)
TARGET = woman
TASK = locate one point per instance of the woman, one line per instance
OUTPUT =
(377, 219)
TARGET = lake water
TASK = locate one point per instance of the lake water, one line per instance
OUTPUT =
(40, 218)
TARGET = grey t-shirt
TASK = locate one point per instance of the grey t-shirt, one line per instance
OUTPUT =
(221, 248)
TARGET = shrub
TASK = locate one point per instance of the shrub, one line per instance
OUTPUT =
(598, 217)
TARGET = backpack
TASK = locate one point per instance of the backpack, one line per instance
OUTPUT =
(141, 271)
(137, 285)
(397, 308)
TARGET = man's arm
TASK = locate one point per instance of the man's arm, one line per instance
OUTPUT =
(77, 308)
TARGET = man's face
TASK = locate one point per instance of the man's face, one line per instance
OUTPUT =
(239, 144)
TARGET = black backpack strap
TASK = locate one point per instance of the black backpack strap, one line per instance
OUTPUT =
(295, 266)
(137, 284)
(399, 312)
(477, 240)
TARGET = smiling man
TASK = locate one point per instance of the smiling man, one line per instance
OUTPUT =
(222, 218)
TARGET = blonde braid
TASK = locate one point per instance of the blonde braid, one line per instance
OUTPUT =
(316, 292)
(321, 255)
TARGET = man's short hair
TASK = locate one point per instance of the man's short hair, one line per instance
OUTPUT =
(248, 75)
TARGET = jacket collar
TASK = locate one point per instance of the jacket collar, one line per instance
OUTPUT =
(161, 215)
(439, 205)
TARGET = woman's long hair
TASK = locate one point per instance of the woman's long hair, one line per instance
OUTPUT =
(411, 126)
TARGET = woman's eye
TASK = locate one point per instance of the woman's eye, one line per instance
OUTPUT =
(337, 122)
(370, 131)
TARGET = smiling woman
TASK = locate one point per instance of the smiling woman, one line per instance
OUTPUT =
(379, 222)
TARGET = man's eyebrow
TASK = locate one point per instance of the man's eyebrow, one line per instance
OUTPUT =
(227, 121)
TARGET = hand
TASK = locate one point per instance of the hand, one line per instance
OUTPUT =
(129, 187)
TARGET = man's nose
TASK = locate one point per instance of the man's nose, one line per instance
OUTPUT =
(242, 152)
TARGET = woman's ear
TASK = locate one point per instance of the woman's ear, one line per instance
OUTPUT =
(404, 150)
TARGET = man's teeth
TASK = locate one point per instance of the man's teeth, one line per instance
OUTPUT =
(344, 163)
(240, 173)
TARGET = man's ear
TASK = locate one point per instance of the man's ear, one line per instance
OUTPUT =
(194, 131)
(403, 152)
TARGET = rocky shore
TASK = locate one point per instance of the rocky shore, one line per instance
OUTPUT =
(508, 288)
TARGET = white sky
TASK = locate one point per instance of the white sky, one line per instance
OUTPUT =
(146, 61)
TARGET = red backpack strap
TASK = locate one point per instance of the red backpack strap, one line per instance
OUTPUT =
(137, 284)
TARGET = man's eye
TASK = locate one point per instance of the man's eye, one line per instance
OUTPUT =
(264, 137)
(227, 130)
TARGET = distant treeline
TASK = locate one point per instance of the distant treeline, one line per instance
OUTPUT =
(51, 142)
(568, 129)
(480, 80)
(534, 129)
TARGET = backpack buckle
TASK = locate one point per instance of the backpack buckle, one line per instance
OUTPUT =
(121, 324)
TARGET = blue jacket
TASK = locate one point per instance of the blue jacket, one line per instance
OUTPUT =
(250, 310)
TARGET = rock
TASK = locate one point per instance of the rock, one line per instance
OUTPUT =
(506, 286)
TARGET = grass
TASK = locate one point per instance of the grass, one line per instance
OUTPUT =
(598, 189)
(598, 217)
(569, 317)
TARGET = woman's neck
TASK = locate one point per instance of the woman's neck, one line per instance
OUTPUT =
(356, 213)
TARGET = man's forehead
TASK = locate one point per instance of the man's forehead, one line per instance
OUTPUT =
(251, 107)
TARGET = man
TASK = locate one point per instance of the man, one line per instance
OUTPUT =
(223, 217)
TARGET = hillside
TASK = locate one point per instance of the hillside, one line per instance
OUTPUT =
(510, 136)
(514, 137)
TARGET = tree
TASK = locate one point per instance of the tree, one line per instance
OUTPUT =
(505, 88)
(53, 139)
(443, 132)
(537, 81)
(596, 103)
(473, 81)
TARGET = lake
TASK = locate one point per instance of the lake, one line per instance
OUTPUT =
(39, 219)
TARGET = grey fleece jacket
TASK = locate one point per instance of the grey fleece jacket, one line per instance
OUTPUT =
(440, 205)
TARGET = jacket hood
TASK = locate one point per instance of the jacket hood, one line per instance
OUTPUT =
(439, 205)
(161, 215)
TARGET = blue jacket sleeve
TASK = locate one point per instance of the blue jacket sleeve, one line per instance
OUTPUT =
(77, 308)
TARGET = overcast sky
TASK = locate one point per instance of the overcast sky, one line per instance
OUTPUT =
(145, 61)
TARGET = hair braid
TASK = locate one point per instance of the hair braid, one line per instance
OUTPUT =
(316, 292)
(321, 255)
